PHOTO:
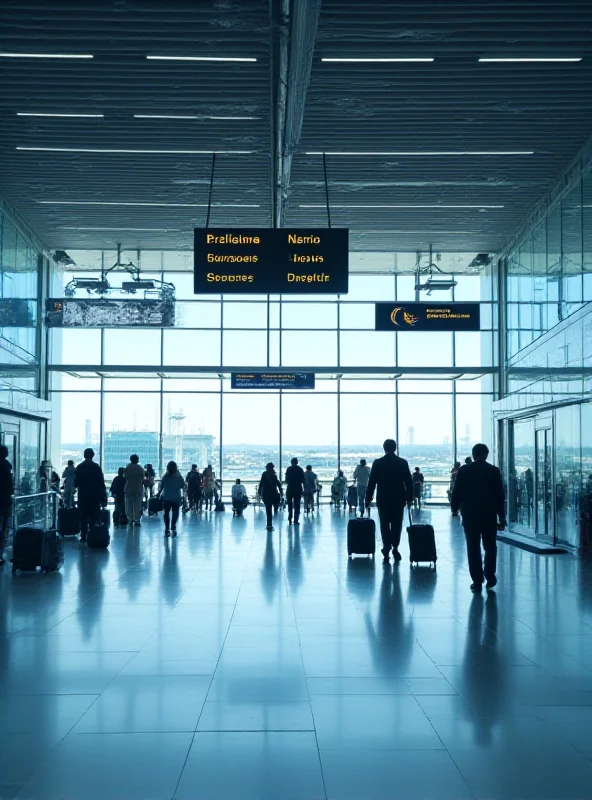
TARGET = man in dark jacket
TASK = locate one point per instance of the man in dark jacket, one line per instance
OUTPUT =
(395, 490)
(6, 492)
(479, 494)
(294, 489)
(92, 493)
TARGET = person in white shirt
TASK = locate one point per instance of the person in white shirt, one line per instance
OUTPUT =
(361, 477)
(239, 498)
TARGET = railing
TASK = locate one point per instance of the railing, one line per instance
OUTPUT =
(35, 511)
(435, 491)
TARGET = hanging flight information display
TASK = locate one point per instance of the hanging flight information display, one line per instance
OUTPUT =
(271, 261)
(427, 316)
(272, 380)
(104, 312)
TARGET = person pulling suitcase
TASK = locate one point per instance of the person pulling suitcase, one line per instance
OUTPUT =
(391, 478)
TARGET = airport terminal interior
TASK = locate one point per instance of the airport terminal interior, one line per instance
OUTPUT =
(238, 232)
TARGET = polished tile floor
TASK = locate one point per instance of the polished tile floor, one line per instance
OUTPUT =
(229, 663)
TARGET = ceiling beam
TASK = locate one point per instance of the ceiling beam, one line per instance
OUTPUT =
(294, 28)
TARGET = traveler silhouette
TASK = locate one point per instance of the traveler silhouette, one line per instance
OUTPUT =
(391, 477)
(479, 494)
(294, 489)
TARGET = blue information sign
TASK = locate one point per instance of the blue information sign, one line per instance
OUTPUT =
(272, 380)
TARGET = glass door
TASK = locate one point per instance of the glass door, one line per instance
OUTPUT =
(545, 517)
(9, 436)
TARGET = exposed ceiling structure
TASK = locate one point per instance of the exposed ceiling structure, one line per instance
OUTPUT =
(437, 147)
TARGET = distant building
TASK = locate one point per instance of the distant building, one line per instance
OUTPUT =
(187, 449)
(120, 445)
(411, 436)
(87, 432)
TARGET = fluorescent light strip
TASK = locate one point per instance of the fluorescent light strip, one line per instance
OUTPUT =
(439, 205)
(422, 153)
(30, 114)
(43, 55)
(146, 230)
(511, 60)
(112, 150)
(198, 58)
(185, 116)
(142, 204)
(377, 60)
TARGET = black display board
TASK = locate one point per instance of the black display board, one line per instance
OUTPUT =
(271, 261)
(427, 316)
(272, 380)
(105, 313)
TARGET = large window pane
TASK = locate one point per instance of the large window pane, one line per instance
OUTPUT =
(244, 348)
(309, 432)
(191, 430)
(568, 473)
(132, 425)
(370, 287)
(132, 347)
(191, 348)
(357, 315)
(425, 434)
(245, 315)
(366, 421)
(251, 431)
(469, 424)
(197, 315)
(309, 348)
(75, 346)
(367, 349)
(421, 349)
(309, 315)
(76, 425)
(521, 477)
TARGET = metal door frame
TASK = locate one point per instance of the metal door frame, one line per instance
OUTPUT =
(544, 424)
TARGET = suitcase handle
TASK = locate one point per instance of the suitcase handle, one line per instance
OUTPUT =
(409, 515)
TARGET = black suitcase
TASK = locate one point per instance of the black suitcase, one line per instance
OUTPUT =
(352, 497)
(26, 549)
(98, 537)
(52, 551)
(155, 505)
(422, 543)
(105, 518)
(68, 521)
(361, 537)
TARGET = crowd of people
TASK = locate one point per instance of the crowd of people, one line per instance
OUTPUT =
(476, 491)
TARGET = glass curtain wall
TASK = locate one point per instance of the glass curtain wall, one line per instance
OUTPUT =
(197, 418)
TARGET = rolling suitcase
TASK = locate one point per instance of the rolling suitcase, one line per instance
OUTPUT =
(105, 518)
(26, 549)
(98, 537)
(361, 537)
(422, 543)
(352, 498)
(154, 506)
(52, 551)
(68, 521)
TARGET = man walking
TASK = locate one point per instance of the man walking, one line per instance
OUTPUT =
(361, 477)
(294, 490)
(134, 490)
(479, 494)
(92, 494)
(6, 491)
(391, 477)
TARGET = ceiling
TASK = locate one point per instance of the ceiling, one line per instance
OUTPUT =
(453, 103)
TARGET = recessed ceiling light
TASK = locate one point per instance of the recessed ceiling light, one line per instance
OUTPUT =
(377, 60)
(199, 58)
(43, 55)
(31, 114)
(143, 204)
(186, 116)
(422, 153)
(433, 205)
(121, 150)
(528, 60)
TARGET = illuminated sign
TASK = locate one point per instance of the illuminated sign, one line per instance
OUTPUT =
(427, 317)
(105, 313)
(271, 261)
(272, 380)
